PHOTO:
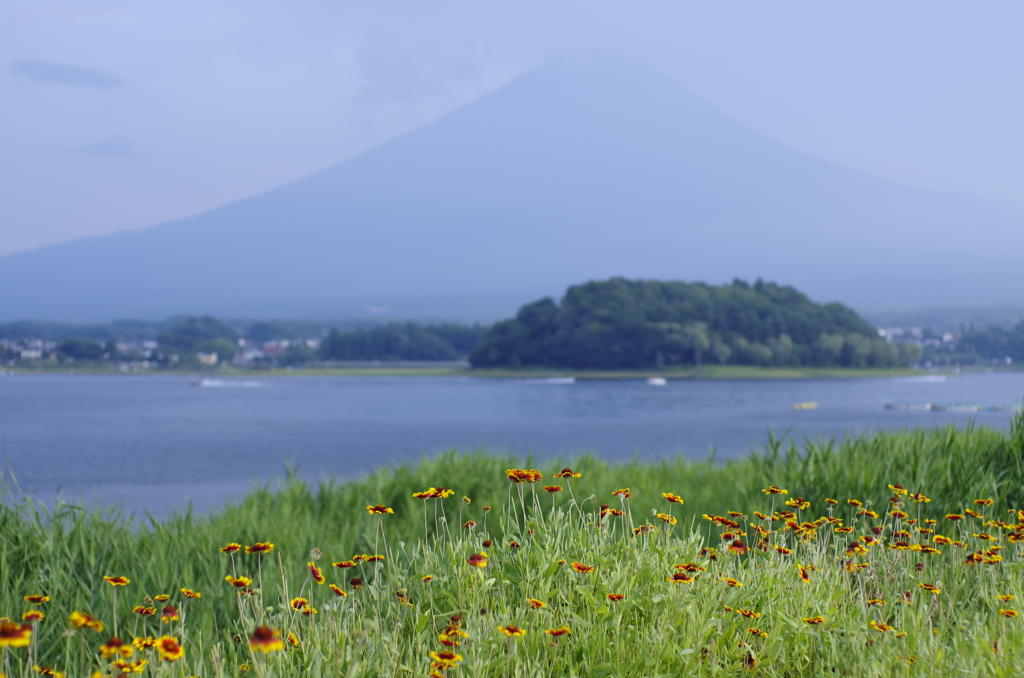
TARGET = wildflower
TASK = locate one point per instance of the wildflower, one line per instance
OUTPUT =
(144, 611)
(81, 620)
(732, 582)
(567, 473)
(783, 550)
(379, 510)
(47, 671)
(666, 518)
(883, 627)
(876, 602)
(674, 498)
(843, 530)
(757, 632)
(373, 559)
(14, 635)
(681, 578)
(401, 595)
(624, 493)
(37, 599)
(558, 633)
(309, 611)
(552, 488)
(469, 525)
(298, 603)
(466, 500)
(804, 576)
(266, 639)
(941, 540)
(815, 620)
(1006, 597)
(973, 514)
(536, 604)
(315, 572)
(513, 544)
(581, 568)
(899, 515)
(337, 591)
(189, 593)
(486, 509)
(124, 666)
(615, 597)
(344, 564)
(487, 543)
(116, 646)
(931, 588)
(854, 502)
(954, 516)
(445, 660)
(169, 649)
(162, 598)
(443, 492)
(478, 560)
(798, 503)
(984, 502)
(33, 616)
(238, 582)
(1008, 613)
(144, 643)
(512, 631)
(691, 567)
(117, 581)
(774, 490)
(749, 614)
(169, 614)
(260, 547)
(356, 583)
(427, 494)
(231, 548)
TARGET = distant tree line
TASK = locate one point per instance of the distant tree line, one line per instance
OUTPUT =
(636, 324)
(403, 342)
(982, 345)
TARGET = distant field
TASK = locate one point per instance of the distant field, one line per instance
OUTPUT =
(898, 582)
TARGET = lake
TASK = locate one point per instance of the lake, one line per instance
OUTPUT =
(158, 442)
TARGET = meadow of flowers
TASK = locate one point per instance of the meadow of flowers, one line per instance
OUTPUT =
(891, 554)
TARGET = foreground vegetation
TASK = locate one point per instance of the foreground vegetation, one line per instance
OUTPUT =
(786, 584)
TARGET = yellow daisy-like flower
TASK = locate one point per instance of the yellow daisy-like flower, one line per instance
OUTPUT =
(1009, 613)
(814, 620)
(265, 639)
(117, 581)
(512, 631)
(536, 604)
(380, 509)
(15, 635)
(559, 632)
(445, 660)
(169, 649)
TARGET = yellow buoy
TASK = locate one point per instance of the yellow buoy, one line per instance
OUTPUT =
(805, 406)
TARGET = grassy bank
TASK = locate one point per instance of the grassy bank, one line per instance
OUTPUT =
(698, 624)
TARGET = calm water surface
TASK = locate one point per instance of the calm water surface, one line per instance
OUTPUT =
(158, 442)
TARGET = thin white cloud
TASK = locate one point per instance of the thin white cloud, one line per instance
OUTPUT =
(49, 73)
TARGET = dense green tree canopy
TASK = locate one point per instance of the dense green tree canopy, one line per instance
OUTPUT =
(402, 342)
(623, 324)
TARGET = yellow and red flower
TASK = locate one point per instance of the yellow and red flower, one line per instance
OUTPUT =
(804, 575)
(445, 660)
(265, 639)
(144, 611)
(298, 603)
(615, 597)
(624, 493)
(337, 591)
(238, 582)
(881, 627)
(478, 560)
(1009, 613)
(559, 632)
(552, 488)
(344, 564)
(293, 639)
(169, 614)
(732, 582)
(37, 599)
(380, 510)
(681, 578)
(169, 649)
(15, 635)
(814, 620)
(315, 572)
(581, 568)
(536, 604)
(568, 473)
(674, 498)
(231, 548)
(666, 518)
(162, 598)
(512, 631)
(774, 490)
(189, 593)
(116, 646)
(260, 547)
(82, 620)
(117, 581)
(931, 588)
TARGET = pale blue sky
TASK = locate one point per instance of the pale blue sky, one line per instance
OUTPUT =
(118, 114)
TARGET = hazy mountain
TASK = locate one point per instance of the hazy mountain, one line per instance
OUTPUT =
(571, 172)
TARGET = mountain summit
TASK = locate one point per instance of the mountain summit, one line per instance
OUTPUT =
(573, 171)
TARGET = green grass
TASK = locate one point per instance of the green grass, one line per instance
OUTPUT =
(660, 628)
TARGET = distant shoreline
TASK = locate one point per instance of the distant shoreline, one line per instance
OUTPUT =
(714, 372)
